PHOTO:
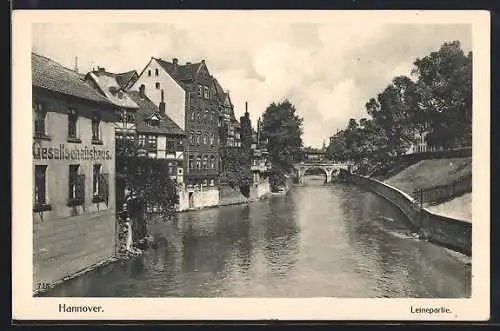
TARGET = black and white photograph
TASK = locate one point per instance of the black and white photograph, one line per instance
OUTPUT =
(245, 155)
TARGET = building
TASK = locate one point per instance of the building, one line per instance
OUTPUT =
(193, 104)
(159, 135)
(313, 154)
(143, 122)
(74, 173)
(107, 85)
(229, 127)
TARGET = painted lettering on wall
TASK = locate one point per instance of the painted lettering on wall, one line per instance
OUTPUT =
(61, 152)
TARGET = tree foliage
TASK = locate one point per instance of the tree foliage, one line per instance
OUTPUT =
(437, 101)
(237, 171)
(283, 129)
(147, 180)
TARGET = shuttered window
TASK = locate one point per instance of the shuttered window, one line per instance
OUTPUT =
(40, 116)
(76, 186)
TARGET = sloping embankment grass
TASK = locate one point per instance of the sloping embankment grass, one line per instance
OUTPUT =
(458, 208)
(431, 173)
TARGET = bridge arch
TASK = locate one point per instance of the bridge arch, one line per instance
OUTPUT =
(330, 169)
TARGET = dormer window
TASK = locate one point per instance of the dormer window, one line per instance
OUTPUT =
(154, 120)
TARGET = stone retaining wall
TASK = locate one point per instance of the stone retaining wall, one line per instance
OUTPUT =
(445, 231)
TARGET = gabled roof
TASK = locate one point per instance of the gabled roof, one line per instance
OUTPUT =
(50, 75)
(125, 77)
(109, 86)
(183, 73)
(147, 109)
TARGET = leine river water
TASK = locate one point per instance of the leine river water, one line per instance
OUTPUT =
(317, 241)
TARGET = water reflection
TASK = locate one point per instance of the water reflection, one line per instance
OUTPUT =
(318, 240)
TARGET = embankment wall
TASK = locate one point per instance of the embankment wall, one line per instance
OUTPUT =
(452, 233)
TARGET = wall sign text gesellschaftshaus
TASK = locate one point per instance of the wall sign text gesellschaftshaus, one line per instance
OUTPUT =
(62, 152)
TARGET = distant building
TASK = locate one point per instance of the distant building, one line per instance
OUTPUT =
(312, 154)
(229, 127)
(193, 104)
(74, 172)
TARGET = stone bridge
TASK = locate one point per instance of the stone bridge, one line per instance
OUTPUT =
(330, 168)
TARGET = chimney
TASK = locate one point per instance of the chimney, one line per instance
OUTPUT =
(162, 104)
(175, 61)
(203, 61)
(188, 63)
(76, 63)
(246, 108)
(101, 69)
(142, 91)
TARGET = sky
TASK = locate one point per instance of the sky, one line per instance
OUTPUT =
(328, 70)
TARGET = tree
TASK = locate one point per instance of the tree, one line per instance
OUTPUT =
(444, 84)
(237, 172)
(282, 129)
(146, 180)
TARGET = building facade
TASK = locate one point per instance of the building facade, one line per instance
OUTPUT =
(74, 173)
(193, 104)
(142, 124)
(159, 135)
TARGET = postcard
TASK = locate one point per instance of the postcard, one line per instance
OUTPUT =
(251, 165)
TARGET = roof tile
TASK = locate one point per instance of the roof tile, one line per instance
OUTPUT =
(50, 75)
(148, 108)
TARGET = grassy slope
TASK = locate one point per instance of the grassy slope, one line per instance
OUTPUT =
(430, 173)
(459, 208)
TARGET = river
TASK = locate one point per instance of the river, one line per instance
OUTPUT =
(316, 241)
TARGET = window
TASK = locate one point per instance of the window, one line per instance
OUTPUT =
(76, 186)
(41, 188)
(205, 139)
(149, 73)
(100, 187)
(198, 162)
(152, 141)
(212, 162)
(170, 145)
(72, 123)
(130, 117)
(198, 138)
(212, 138)
(157, 85)
(96, 122)
(40, 116)
(200, 90)
(206, 92)
(95, 179)
(205, 161)
(156, 72)
(192, 137)
(142, 140)
(191, 162)
(192, 116)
